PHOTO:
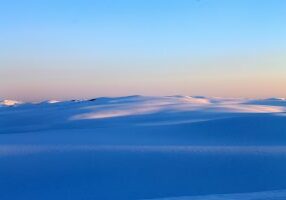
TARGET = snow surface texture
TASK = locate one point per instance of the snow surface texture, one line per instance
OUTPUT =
(270, 195)
(136, 147)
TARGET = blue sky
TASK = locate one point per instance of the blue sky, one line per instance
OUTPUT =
(79, 49)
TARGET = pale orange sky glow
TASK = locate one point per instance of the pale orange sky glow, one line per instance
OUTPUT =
(189, 47)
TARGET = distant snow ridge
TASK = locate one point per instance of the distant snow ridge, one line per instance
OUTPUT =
(276, 99)
(269, 102)
(197, 100)
(140, 105)
(9, 102)
(47, 102)
(53, 101)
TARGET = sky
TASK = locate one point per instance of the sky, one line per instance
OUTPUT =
(65, 49)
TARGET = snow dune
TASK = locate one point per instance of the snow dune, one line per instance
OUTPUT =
(138, 147)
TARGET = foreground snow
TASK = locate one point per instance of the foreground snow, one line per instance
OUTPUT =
(140, 147)
(268, 195)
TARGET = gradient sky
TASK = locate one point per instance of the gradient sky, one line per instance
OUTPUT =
(63, 49)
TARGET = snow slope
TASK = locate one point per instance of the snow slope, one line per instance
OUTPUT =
(140, 147)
